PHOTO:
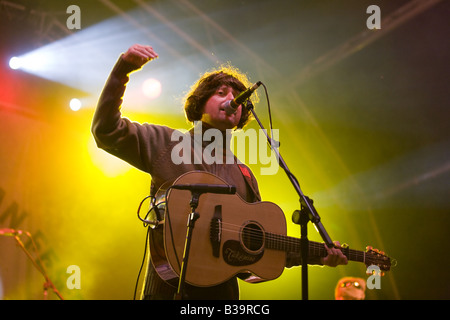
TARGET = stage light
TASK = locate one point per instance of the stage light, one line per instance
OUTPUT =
(151, 88)
(75, 104)
(84, 60)
(15, 63)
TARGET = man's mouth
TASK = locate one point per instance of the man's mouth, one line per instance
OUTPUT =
(223, 110)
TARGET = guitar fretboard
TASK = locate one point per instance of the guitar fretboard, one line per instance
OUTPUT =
(316, 249)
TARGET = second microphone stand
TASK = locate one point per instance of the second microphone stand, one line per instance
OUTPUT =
(306, 213)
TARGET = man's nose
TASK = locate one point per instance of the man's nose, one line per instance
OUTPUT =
(230, 96)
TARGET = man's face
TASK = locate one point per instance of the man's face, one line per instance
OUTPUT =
(214, 113)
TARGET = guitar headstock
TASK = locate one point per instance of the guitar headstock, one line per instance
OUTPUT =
(377, 258)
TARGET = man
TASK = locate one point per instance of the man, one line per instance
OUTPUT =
(149, 148)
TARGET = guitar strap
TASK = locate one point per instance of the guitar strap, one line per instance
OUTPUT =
(249, 181)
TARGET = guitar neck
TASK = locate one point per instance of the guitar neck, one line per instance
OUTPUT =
(316, 249)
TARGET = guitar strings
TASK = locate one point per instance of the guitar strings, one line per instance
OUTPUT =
(284, 242)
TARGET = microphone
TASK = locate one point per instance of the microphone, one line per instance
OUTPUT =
(207, 188)
(232, 105)
(10, 232)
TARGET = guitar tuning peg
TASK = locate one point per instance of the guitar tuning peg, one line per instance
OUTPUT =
(344, 245)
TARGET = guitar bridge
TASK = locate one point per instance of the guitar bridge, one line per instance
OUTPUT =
(215, 233)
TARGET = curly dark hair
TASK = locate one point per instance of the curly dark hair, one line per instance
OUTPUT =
(208, 84)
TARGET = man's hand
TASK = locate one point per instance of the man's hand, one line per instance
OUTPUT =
(335, 256)
(139, 55)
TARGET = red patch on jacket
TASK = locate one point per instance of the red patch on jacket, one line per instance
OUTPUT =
(245, 172)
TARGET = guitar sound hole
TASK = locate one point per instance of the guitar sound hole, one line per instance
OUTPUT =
(252, 237)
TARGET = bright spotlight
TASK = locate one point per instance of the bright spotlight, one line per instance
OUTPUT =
(15, 63)
(151, 88)
(75, 104)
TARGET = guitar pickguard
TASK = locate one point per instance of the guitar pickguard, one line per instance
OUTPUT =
(234, 255)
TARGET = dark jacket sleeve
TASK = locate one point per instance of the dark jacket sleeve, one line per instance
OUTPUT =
(127, 140)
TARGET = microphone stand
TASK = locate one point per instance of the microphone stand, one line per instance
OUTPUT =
(193, 216)
(304, 215)
(48, 283)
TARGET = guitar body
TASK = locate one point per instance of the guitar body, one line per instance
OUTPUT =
(223, 237)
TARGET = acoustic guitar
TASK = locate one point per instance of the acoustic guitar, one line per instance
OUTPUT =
(230, 237)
